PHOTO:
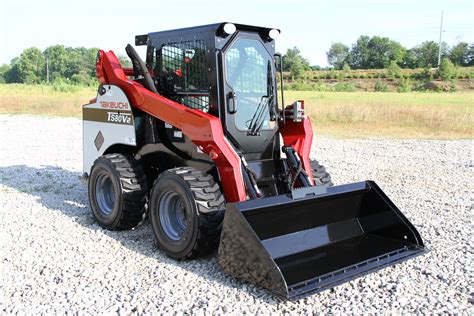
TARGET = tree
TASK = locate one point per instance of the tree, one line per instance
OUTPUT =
(346, 67)
(12, 75)
(31, 66)
(83, 78)
(337, 55)
(374, 53)
(393, 70)
(410, 59)
(125, 61)
(459, 54)
(470, 55)
(446, 70)
(382, 51)
(293, 58)
(57, 62)
(297, 69)
(64, 63)
(81, 61)
(427, 53)
(90, 55)
(359, 54)
(5, 68)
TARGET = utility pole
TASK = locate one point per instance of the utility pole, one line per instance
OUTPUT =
(439, 43)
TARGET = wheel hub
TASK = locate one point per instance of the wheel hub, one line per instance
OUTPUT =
(172, 215)
(105, 193)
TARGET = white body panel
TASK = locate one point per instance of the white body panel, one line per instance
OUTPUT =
(106, 122)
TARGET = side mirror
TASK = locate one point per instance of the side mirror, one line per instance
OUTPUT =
(278, 62)
(232, 102)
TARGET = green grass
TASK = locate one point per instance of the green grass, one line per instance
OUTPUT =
(340, 114)
(389, 114)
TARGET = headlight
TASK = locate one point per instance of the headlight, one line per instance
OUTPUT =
(229, 28)
(273, 34)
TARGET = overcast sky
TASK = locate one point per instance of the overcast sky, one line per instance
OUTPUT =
(310, 25)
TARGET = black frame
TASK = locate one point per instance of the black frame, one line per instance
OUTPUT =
(215, 39)
(261, 151)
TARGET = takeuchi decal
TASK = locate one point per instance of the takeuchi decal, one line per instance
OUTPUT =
(114, 105)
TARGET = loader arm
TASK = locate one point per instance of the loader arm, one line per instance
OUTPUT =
(203, 129)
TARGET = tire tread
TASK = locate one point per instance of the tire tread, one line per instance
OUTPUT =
(320, 175)
(210, 206)
(134, 191)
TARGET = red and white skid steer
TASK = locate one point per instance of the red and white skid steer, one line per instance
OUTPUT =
(195, 138)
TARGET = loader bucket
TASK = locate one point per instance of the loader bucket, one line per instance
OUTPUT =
(298, 246)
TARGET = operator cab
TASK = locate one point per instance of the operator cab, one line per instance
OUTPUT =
(224, 69)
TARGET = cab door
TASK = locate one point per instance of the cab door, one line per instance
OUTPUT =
(250, 95)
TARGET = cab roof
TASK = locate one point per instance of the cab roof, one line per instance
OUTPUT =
(215, 29)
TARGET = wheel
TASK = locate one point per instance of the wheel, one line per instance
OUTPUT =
(186, 212)
(117, 192)
(320, 175)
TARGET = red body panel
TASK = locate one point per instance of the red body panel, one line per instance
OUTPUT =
(128, 71)
(300, 136)
(203, 129)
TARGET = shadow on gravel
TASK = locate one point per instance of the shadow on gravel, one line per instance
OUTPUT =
(60, 190)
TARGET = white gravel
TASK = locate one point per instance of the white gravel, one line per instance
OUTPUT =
(54, 259)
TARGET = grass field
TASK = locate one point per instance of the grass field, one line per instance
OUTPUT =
(382, 114)
(340, 114)
(44, 100)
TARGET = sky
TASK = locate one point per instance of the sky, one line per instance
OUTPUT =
(310, 25)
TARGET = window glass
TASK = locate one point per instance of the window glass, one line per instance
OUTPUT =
(249, 74)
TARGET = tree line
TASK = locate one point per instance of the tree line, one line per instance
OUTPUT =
(56, 63)
(379, 52)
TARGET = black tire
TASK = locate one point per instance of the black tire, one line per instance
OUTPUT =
(320, 175)
(186, 212)
(117, 192)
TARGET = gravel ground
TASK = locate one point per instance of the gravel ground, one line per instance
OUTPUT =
(55, 259)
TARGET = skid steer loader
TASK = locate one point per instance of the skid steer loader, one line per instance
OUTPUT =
(198, 138)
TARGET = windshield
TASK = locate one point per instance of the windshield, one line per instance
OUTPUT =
(249, 74)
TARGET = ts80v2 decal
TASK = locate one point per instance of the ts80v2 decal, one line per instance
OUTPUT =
(119, 118)
(107, 116)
